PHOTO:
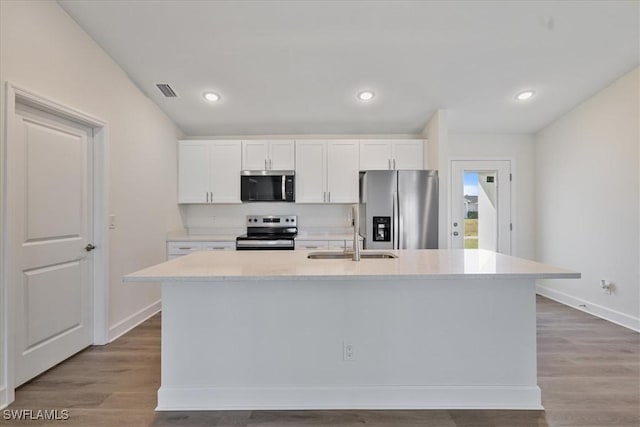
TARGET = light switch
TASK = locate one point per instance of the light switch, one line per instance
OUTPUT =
(112, 222)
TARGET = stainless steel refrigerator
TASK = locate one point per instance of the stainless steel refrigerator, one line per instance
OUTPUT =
(399, 209)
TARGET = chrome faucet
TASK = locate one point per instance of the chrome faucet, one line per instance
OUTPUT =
(356, 226)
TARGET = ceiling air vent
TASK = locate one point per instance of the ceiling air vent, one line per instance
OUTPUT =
(166, 90)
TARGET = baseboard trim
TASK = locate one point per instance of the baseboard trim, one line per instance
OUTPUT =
(3, 398)
(370, 397)
(605, 313)
(124, 326)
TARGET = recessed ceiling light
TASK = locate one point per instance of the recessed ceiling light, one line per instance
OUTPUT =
(366, 95)
(210, 96)
(524, 95)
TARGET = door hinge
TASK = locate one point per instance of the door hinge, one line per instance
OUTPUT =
(510, 226)
(510, 177)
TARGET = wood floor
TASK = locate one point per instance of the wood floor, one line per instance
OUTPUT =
(589, 372)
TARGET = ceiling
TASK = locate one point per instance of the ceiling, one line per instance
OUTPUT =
(295, 67)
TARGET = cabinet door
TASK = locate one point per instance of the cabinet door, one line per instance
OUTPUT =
(193, 171)
(342, 171)
(219, 246)
(311, 244)
(310, 171)
(282, 155)
(375, 155)
(408, 154)
(225, 160)
(255, 155)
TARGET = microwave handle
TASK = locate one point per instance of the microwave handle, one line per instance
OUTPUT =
(284, 190)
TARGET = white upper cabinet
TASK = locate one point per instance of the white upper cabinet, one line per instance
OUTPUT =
(268, 155)
(193, 172)
(408, 154)
(311, 171)
(327, 171)
(391, 154)
(343, 173)
(225, 172)
(209, 171)
(255, 155)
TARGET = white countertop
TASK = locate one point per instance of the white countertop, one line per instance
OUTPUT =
(411, 264)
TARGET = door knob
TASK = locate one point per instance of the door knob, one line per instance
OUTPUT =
(89, 247)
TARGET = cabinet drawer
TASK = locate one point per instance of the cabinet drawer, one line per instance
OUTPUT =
(183, 248)
(312, 244)
(219, 246)
(336, 244)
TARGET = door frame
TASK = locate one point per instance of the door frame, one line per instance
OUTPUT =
(100, 303)
(512, 167)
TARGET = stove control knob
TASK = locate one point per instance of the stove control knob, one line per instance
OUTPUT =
(255, 219)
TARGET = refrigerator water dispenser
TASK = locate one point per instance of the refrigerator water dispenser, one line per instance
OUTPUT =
(381, 228)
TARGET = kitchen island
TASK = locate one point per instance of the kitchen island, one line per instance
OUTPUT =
(276, 330)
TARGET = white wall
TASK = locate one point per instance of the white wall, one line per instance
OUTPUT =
(437, 158)
(204, 219)
(520, 149)
(43, 50)
(587, 202)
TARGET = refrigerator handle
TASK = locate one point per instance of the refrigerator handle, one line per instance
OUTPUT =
(396, 229)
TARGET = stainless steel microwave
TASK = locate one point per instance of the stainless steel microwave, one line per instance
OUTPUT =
(267, 186)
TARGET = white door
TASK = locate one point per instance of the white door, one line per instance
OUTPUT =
(311, 171)
(255, 155)
(375, 155)
(50, 190)
(481, 205)
(408, 154)
(342, 172)
(282, 155)
(224, 168)
(193, 172)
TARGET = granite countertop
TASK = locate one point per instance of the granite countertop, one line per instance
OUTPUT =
(411, 264)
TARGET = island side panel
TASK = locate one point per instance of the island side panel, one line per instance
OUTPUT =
(280, 344)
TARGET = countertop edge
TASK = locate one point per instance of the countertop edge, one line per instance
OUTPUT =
(377, 277)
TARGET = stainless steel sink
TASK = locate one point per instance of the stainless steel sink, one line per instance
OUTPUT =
(349, 255)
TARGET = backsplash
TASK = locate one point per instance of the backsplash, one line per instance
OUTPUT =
(203, 219)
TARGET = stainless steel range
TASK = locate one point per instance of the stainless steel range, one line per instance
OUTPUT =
(269, 232)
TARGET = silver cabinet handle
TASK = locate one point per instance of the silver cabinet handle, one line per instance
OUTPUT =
(311, 247)
(207, 197)
(389, 164)
(265, 164)
(329, 197)
(270, 163)
(324, 197)
(394, 163)
(211, 198)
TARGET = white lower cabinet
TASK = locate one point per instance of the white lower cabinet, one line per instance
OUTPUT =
(178, 249)
(336, 245)
(312, 244)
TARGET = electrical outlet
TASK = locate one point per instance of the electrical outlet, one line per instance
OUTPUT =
(348, 352)
(606, 286)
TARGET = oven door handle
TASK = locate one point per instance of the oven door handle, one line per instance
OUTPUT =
(266, 244)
